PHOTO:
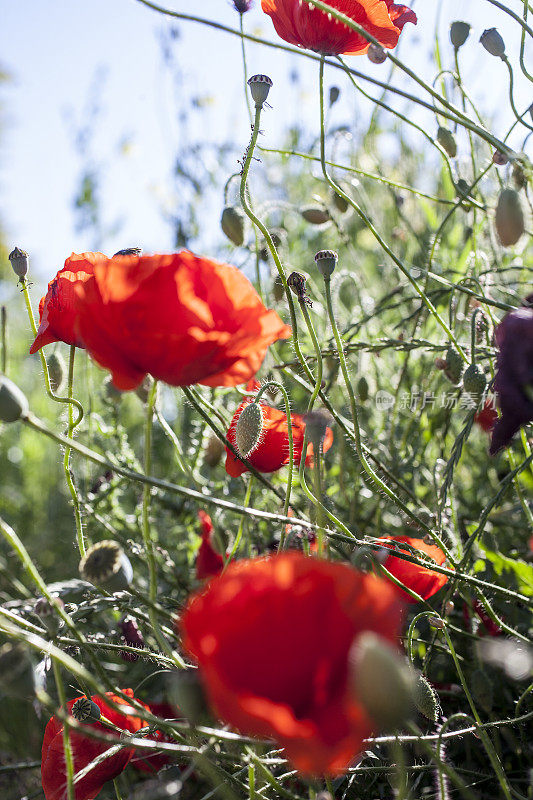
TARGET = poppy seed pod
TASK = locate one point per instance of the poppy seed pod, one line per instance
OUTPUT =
(459, 33)
(248, 429)
(509, 218)
(56, 371)
(315, 215)
(493, 42)
(232, 224)
(20, 261)
(446, 139)
(376, 54)
(105, 564)
(85, 710)
(13, 402)
(260, 86)
(326, 261)
(382, 680)
(425, 698)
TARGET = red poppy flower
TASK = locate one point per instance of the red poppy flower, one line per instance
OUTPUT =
(272, 638)
(85, 750)
(57, 309)
(487, 416)
(306, 26)
(209, 562)
(181, 318)
(422, 580)
(145, 762)
(272, 453)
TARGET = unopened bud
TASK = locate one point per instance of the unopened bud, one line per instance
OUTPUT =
(452, 365)
(426, 699)
(259, 87)
(232, 223)
(509, 218)
(277, 289)
(459, 33)
(213, 451)
(364, 559)
(242, 6)
(20, 261)
(436, 622)
(47, 613)
(132, 636)
(499, 158)
(105, 564)
(316, 424)
(493, 42)
(13, 402)
(56, 371)
(362, 389)
(315, 215)
(376, 54)
(326, 261)
(446, 139)
(334, 94)
(340, 203)
(85, 710)
(296, 282)
(248, 429)
(474, 381)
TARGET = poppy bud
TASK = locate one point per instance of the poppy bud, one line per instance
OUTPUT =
(132, 636)
(232, 223)
(129, 251)
(17, 678)
(376, 54)
(242, 6)
(493, 42)
(362, 389)
(426, 699)
(482, 690)
(452, 366)
(459, 33)
(499, 158)
(105, 564)
(316, 423)
(248, 429)
(446, 139)
(20, 261)
(326, 261)
(382, 681)
(296, 282)
(334, 94)
(519, 176)
(213, 451)
(47, 613)
(316, 215)
(340, 203)
(509, 219)
(277, 289)
(259, 87)
(13, 402)
(436, 623)
(85, 710)
(56, 371)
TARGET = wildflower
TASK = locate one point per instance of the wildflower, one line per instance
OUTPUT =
(272, 637)
(303, 25)
(209, 562)
(57, 309)
(181, 318)
(85, 750)
(422, 580)
(487, 416)
(514, 376)
(272, 452)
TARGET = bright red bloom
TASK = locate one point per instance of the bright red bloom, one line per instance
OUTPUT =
(85, 750)
(209, 562)
(422, 580)
(57, 309)
(303, 25)
(181, 318)
(272, 638)
(487, 416)
(272, 453)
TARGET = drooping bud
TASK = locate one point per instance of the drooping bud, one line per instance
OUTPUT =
(509, 218)
(376, 54)
(56, 371)
(499, 158)
(20, 261)
(446, 139)
(296, 282)
(493, 42)
(277, 289)
(316, 424)
(85, 710)
(17, 678)
(362, 389)
(381, 680)
(105, 564)
(334, 94)
(452, 365)
(315, 215)
(425, 698)
(340, 202)
(13, 402)
(459, 33)
(260, 86)
(132, 636)
(326, 261)
(47, 613)
(213, 451)
(232, 223)
(248, 429)
(129, 251)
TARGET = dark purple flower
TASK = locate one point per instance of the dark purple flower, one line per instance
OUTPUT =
(242, 5)
(514, 377)
(132, 636)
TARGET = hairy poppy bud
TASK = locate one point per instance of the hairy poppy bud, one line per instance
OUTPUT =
(213, 451)
(315, 215)
(340, 203)
(474, 381)
(259, 87)
(334, 94)
(132, 636)
(85, 710)
(296, 282)
(277, 289)
(499, 158)
(436, 623)
(56, 371)
(509, 218)
(129, 251)
(20, 261)
(426, 699)
(482, 690)
(446, 139)
(326, 261)
(459, 33)
(47, 613)
(232, 223)
(452, 365)
(382, 681)
(105, 564)
(17, 678)
(376, 54)
(362, 389)
(248, 429)
(13, 402)
(493, 42)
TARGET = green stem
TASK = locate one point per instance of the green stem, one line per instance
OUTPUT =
(67, 749)
(3, 336)
(244, 68)
(66, 457)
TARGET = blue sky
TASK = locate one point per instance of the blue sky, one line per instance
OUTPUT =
(58, 51)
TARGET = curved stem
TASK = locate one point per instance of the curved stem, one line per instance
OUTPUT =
(66, 458)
